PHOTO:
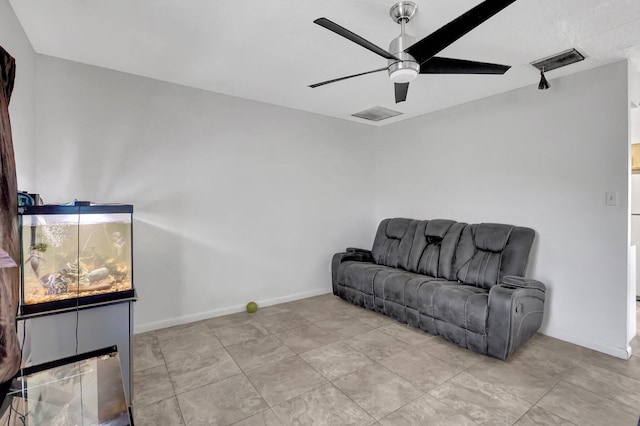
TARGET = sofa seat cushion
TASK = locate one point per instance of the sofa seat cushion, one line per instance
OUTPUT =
(426, 295)
(360, 275)
(401, 287)
(462, 305)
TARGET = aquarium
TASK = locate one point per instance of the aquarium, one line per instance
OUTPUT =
(74, 256)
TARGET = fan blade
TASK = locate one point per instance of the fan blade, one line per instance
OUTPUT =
(332, 26)
(435, 42)
(401, 91)
(438, 65)
(313, 86)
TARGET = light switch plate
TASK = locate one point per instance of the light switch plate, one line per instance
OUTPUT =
(611, 198)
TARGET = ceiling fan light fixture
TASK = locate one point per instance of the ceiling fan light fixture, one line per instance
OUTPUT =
(407, 69)
(403, 75)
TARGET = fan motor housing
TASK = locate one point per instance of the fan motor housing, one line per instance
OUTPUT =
(408, 65)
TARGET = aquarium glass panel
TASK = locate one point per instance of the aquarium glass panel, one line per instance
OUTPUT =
(75, 256)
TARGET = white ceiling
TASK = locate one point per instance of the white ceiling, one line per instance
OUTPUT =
(270, 50)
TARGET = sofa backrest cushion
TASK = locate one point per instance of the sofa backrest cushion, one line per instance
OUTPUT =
(393, 241)
(492, 237)
(487, 252)
(434, 246)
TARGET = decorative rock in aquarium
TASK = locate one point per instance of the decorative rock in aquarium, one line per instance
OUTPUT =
(76, 273)
(55, 283)
(97, 274)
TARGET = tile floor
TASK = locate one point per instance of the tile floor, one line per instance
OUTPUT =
(322, 361)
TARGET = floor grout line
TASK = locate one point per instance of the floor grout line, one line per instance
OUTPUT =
(259, 412)
(184, 422)
(404, 405)
(208, 384)
(610, 369)
(597, 394)
(535, 404)
(549, 411)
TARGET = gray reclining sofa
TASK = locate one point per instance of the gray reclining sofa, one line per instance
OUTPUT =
(462, 282)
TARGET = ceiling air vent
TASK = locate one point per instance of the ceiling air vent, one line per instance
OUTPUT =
(376, 113)
(559, 60)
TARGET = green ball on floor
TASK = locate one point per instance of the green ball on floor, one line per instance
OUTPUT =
(252, 307)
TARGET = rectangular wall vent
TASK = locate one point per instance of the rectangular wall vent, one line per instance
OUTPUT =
(559, 60)
(376, 113)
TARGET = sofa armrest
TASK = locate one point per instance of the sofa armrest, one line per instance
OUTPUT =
(338, 258)
(522, 282)
(516, 309)
(357, 250)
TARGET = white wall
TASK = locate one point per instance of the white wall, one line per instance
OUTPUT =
(22, 105)
(538, 159)
(234, 200)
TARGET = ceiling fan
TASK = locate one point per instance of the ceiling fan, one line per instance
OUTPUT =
(408, 58)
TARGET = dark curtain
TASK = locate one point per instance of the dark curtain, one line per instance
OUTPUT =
(9, 277)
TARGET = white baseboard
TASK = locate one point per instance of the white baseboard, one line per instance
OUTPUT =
(623, 353)
(185, 319)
